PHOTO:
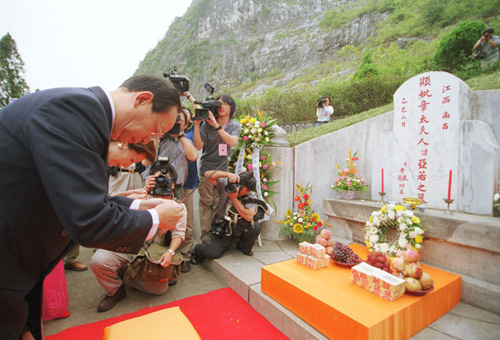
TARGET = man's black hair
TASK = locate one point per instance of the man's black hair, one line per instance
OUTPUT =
(165, 95)
(228, 99)
(489, 30)
(247, 180)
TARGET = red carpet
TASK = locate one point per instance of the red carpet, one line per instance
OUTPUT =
(219, 314)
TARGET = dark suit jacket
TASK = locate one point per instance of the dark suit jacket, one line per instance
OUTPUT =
(53, 187)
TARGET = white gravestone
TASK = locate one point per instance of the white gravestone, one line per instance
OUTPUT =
(426, 135)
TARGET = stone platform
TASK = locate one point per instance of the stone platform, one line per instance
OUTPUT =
(465, 244)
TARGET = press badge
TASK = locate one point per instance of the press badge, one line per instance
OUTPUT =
(222, 149)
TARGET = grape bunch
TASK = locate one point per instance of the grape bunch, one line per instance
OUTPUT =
(343, 254)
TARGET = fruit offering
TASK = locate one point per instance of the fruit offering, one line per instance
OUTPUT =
(380, 261)
(407, 267)
(343, 254)
(326, 240)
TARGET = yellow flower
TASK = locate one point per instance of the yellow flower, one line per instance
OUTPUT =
(288, 213)
(367, 244)
(297, 228)
(418, 239)
(370, 219)
(316, 217)
(252, 120)
(243, 121)
(399, 207)
(338, 166)
(384, 208)
(307, 226)
(415, 220)
(309, 202)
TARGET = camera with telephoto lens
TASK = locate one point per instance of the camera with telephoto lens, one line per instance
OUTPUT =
(219, 226)
(180, 82)
(165, 181)
(321, 102)
(232, 187)
(210, 104)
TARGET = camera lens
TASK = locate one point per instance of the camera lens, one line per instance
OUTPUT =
(230, 188)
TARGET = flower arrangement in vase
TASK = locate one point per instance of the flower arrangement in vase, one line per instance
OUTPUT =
(349, 180)
(302, 224)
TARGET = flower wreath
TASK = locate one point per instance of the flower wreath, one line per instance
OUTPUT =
(395, 217)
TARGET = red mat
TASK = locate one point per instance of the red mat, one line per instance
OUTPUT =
(219, 314)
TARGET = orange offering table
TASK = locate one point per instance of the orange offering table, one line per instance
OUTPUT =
(327, 300)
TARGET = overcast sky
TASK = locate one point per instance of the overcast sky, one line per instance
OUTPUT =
(85, 42)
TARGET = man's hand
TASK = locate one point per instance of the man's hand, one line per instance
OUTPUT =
(233, 178)
(151, 203)
(169, 212)
(138, 194)
(211, 120)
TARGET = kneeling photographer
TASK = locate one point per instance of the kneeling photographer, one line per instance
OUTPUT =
(238, 219)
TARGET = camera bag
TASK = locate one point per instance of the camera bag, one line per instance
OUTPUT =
(479, 53)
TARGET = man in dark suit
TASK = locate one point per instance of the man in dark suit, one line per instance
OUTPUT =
(53, 184)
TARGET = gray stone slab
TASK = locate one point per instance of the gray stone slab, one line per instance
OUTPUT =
(465, 322)
(287, 322)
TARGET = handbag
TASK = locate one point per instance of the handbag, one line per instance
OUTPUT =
(55, 294)
(146, 265)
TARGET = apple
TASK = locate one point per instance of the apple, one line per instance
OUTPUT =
(329, 250)
(321, 241)
(330, 242)
(426, 281)
(412, 284)
(413, 270)
(411, 255)
(325, 233)
(398, 263)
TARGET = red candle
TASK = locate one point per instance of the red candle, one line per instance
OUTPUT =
(449, 187)
(382, 179)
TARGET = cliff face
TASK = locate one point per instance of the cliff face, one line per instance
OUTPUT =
(229, 42)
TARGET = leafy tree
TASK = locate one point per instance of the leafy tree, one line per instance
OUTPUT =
(12, 83)
(455, 48)
(367, 68)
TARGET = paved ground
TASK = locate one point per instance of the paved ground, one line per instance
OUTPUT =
(462, 322)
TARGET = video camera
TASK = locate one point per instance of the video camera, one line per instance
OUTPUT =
(180, 82)
(165, 181)
(321, 102)
(210, 104)
(176, 129)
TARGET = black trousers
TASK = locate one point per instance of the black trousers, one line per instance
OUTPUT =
(218, 245)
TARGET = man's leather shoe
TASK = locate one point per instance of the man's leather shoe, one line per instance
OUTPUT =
(186, 267)
(172, 282)
(247, 253)
(76, 266)
(195, 259)
(110, 301)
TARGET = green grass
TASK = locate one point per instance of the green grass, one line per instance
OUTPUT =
(488, 81)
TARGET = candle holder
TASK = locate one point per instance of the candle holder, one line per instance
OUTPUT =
(447, 201)
(382, 194)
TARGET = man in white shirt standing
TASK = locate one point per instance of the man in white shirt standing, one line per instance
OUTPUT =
(324, 111)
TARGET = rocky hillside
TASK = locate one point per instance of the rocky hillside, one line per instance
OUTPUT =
(229, 42)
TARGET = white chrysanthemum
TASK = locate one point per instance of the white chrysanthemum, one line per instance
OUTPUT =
(375, 213)
(373, 239)
(246, 131)
(257, 124)
(376, 247)
(376, 221)
(266, 194)
(384, 248)
(295, 213)
(391, 214)
(409, 213)
(408, 221)
(419, 231)
(400, 213)
(403, 226)
(391, 206)
(373, 230)
(418, 246)
(413, 234)
(300, 220)
(402, 242)
(393, 249)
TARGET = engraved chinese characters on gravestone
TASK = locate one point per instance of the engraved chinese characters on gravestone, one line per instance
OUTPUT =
(426, 138)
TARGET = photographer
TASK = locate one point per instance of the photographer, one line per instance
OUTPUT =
(179, 151)
(323, 111)
(215, 137)
(489, 44)
(240, 216)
